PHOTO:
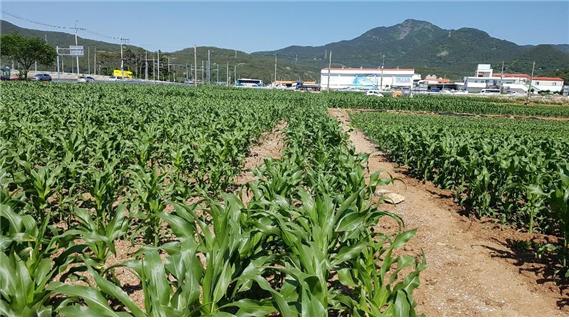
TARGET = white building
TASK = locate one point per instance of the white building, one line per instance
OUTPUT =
(485, 78)
(484, 70)
(551, 84)
(367, 78)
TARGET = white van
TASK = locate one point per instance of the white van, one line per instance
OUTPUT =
(374, 93)
(490, 91)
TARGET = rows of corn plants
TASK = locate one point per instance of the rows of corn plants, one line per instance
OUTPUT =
(83, 168)
(445, 104)
(514, 170)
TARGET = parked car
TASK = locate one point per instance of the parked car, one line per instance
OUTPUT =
(374, 93)
(84, 79)
(42, 77)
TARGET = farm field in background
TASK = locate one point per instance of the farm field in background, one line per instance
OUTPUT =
(448, 105)
(90, 174)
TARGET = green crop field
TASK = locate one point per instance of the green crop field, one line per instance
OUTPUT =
(83, 168)
(446, 104)
(123, 199)
(513, 170)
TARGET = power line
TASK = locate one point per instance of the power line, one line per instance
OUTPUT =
(35, 22)
(63, 27)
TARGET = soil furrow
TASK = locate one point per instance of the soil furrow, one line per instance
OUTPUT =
(471, 271)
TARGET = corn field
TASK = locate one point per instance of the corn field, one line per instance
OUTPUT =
(445, 105)
(83, 168)
(516, 171)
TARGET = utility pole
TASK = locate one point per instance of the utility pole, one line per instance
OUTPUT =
(77, 57)
(203, 72)
(382, 67)
(95, 61)
(195, 65)
(209, 66)
(168, 59)
(57, 61)
(329, 67)
(217, 72)
(88, 61)
(531, 80)
(275, 68)
(502, 79)
(146, 65)
(187, 73)
(122, 60)
(158, 64)
(227, 75)
(153, 69)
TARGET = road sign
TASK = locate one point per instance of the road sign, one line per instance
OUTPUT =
(75, 51)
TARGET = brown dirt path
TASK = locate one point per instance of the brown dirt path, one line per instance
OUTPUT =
(270, 145)
(470, 272)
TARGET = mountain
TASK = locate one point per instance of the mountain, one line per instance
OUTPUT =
(248, 65)
(562, 47)
(430, 49)
(55, 38)
(412, 43)
(108, 58)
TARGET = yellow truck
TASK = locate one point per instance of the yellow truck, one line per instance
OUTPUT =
(122, 74)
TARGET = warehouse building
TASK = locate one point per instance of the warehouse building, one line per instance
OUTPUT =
(367, 78)
(485, 78)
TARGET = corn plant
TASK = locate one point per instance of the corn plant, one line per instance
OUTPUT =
(74, 158)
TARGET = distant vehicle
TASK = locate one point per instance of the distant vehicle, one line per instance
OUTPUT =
(42, 77)
(84, 79)
(435, 90)
(374, 93)
(122, 74)
(307, 86)
(5, 73)
(249, 83)
(113, 79)
(490, 91)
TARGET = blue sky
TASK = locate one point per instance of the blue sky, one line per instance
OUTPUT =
(254, 26)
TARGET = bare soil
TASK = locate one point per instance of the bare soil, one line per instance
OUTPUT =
(269, 146)
(465, 114)
(473, 267)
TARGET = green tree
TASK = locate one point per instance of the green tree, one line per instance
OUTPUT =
(26, 51)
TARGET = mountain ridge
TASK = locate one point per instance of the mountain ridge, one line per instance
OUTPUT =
(431, 49)
(412, 43)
